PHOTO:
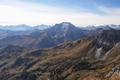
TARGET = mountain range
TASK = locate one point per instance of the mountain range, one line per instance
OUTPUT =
(43, 36)
(49, 37)
(23, 27)
(62, 52)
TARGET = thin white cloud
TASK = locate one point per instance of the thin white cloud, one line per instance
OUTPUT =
(110, 10)
(33, 14)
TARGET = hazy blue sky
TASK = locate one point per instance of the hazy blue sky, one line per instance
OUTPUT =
(79, 12)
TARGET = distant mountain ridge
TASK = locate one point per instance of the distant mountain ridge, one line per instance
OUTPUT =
(45, 36)
(23, 27)
(49, 37)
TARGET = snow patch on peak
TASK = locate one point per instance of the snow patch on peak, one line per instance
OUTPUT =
(66, 24)
(98, 53)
